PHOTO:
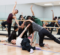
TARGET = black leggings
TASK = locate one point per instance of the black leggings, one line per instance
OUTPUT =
(26, 44)
(44, 33)
(9, 26)
(50, 25)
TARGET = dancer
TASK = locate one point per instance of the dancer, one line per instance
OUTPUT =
(52, 23)
(42, 32)
(25, 43)
(58, 25)
(9, 19)
(12, 35)
(21, 29)
(37, 21)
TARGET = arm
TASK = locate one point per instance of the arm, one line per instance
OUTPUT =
(29, 20)
(16, 20)
(32, 11)
(24, 31)
(52, 14)
(32, 38)
(22, 25)
(14, 7)
(57, 24)
(22, 13)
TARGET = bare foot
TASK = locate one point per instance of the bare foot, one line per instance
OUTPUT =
(2, 40)
(46, 45)
(37, 44)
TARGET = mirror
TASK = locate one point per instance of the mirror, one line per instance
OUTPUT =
(41, 10)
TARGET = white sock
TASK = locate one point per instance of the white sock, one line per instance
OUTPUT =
(31, 50)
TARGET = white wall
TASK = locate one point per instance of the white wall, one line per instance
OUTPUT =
(25, 8)
(48, 14)
(44, 13)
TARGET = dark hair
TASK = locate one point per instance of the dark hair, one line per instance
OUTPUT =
(20, 16)
(29, 17)
(58, 17)
(34, 17)
(30, 29)
(55, 18)
(15, 27)
(17, 10)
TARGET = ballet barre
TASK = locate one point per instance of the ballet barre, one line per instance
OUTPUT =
(51, 27)
(43, 27)
(41, 20)
(48, 21)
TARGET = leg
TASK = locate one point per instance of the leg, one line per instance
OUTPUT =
(41, 38)
(26, 45)
(37, 38)
(51, 30)
(20, 31)
(9, 29)
(48, 34)
(25, 35)
(4, 23)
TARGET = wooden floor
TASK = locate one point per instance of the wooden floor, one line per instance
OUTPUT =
(11, 50)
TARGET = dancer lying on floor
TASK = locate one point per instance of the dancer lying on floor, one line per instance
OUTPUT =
(25, 43)
(42, 32)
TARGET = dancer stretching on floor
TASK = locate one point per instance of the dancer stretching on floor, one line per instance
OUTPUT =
(39, 22)
(25, 43)
(42, 32)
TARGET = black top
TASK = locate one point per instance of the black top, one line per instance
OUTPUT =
(12, 36)
(20, 22)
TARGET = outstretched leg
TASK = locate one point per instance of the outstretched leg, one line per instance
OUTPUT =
(43, 33)
(3, 24)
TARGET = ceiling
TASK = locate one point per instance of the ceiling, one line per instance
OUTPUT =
(56, 3)
(9, 2)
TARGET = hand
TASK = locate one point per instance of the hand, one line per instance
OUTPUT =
(19, 26)
(31, 44)
(31, 6)
(52, 10)
(22, 13)
(44, 26)
(16, 2)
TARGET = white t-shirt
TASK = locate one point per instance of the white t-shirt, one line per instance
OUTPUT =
(18, 41)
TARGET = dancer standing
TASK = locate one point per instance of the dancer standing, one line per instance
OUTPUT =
(9, 19)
